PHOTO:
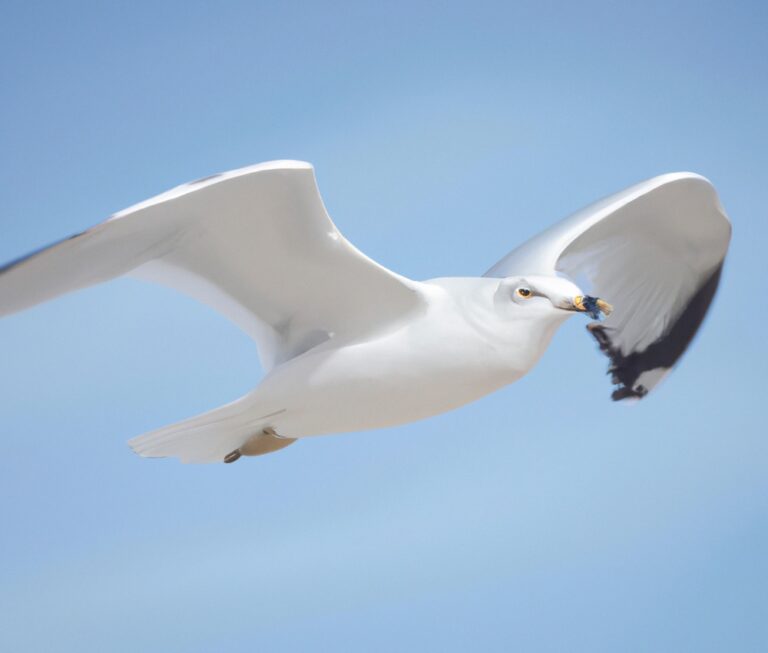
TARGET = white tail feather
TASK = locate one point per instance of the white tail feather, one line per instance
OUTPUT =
(206, 438)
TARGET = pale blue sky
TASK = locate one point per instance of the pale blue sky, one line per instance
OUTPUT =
(543, 518)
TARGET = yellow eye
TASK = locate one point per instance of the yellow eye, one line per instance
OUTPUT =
(525, 293)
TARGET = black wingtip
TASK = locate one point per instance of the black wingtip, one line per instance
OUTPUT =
(625, 370)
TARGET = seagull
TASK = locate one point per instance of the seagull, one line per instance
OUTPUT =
(348, 345)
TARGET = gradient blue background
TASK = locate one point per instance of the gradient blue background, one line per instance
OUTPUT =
(542, 518)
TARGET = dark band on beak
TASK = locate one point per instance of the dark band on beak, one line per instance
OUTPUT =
(593, 306)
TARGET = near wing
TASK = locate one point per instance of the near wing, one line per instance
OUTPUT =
(255, 244)
(655, 251)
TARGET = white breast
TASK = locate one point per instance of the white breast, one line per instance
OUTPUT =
(443, 360)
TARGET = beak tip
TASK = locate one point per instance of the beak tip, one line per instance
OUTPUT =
(605, 307)
(592, 305)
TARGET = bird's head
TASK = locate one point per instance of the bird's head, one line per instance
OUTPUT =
(539, 297)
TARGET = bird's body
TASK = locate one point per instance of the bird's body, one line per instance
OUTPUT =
(347, 345)
(453, 352)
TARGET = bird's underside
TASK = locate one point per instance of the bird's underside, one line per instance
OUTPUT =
(656, 250)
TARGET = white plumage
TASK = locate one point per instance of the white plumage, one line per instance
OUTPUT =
(349, 345)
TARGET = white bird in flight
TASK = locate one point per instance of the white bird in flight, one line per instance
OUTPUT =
(348, 345)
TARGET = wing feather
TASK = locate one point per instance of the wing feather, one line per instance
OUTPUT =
(656, 252)
(256, 244)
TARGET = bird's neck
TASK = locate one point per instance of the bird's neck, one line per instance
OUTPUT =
(512, 346)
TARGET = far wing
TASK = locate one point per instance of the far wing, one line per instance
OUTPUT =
(655, 251)
(255, 244)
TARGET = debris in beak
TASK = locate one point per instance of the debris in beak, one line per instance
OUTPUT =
(593, 306)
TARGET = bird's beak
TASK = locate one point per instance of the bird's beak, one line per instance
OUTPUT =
(591, 305)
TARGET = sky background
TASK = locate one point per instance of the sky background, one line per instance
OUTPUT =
(544, 518)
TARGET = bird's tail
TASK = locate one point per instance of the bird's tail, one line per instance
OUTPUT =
(207, 438)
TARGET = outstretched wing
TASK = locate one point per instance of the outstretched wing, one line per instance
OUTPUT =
(255, 244)
(655, 251)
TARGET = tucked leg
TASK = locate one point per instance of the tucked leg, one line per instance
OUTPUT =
(265, 441)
